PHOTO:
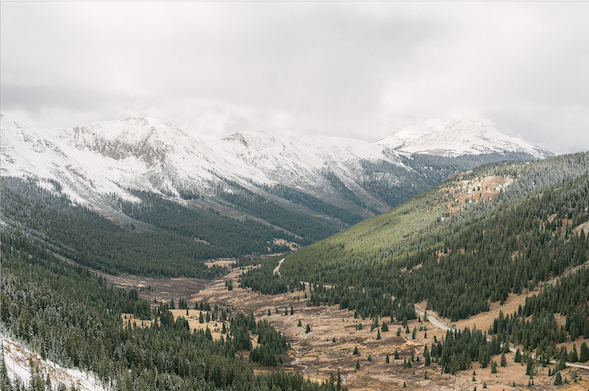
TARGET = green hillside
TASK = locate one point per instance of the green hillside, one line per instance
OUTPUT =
(476, 255)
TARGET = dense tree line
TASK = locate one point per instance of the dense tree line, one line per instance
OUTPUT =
(341, 188)
(460, 348)
(483, 253)
(226, 237)
(68, 315)
(263, 279)
(313, 203)
(307, 227)
(569, 298)
(173, 239)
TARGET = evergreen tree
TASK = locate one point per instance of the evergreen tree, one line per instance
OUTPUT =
(573, 355)
(426, 356)
(530, 366)
(584, 356)
(493, 366)
(558, 379)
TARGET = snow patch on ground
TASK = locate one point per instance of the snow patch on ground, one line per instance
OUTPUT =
(16, 358)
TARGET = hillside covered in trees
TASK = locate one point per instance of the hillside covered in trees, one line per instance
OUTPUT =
(460, 251)
(70, 316)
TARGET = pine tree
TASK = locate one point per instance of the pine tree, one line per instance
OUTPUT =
(563, 358)
(530, 366)
(426, 356)
(396, 354)
(584, 356)
(356, 352)
(387, 360)
(503, 360)
(557, 379)
(378, 335)
(573, 356)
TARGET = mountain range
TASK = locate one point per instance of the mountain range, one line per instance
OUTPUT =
(146, 154)
(308, 187)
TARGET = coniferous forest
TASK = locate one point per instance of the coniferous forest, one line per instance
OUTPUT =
(68, 315)
(459, 257)
(460, 264)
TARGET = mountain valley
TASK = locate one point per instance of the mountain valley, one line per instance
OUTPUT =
(152, 259)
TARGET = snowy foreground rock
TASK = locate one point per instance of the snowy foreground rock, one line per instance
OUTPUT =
(17, 358)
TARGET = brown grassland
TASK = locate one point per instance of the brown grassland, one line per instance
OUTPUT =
(334, 335)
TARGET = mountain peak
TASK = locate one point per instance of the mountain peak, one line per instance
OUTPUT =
(457, 137)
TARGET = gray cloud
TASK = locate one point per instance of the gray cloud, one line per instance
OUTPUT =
(347, 69)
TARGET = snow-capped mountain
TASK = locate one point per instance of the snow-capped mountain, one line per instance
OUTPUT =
(453, 138)
(93, 162)
(146, 154)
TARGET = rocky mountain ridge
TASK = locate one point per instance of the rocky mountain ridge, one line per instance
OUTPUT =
(97, 162)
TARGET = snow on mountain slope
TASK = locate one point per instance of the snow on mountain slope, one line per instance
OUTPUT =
(145, 154)
(95, 161)
(453, 138)
(296, 160)
(16, 359)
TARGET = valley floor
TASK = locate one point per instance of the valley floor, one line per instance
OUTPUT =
(334, 334)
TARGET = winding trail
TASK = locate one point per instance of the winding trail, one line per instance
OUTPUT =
(440, 325)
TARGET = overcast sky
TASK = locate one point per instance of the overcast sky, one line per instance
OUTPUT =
(360, 70)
